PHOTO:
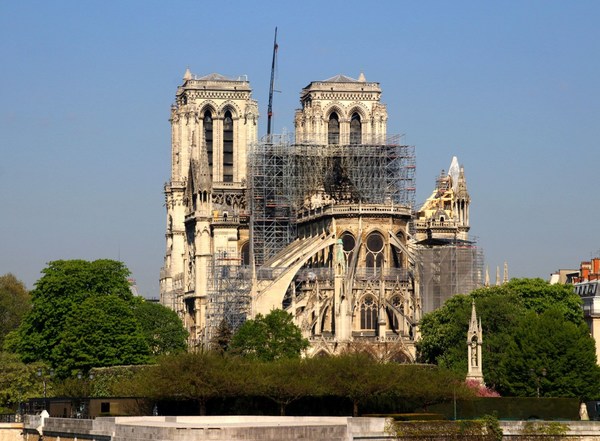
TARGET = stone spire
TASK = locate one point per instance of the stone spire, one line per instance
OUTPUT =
(505, 278)
(497, 276)
(487, 276)
(474, 340)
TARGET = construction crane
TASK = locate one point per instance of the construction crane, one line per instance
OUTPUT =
(270, 108)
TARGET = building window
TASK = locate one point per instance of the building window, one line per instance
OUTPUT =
(334, 129)
(246, 254)
(208, 138)
(228, 147)
(368, 313)
(393, 311)
(374, 257)
(348, 244)
(355, 129)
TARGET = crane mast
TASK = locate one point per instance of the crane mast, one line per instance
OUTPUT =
(270, 108)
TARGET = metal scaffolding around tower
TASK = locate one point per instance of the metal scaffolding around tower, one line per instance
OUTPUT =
(377, 171)
(273, 218)
(229, 294)
(448, 268)
(286, 178)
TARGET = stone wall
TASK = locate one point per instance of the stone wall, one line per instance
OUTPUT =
(11, 431)
(265, 428)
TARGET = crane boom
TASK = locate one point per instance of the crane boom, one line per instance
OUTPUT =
(270, 108)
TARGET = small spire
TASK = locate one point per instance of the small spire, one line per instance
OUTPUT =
(187, 75)
(361, 78)
(473, 324)
(487, 276)
(497, 276)
(505, 279)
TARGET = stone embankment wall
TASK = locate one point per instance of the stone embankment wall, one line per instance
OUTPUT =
(11, 431)
(261, 428)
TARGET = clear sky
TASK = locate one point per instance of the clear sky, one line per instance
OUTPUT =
(510, 87)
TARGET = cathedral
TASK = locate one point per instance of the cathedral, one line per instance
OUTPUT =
(320, 223)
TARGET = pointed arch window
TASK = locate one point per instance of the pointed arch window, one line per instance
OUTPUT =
(208, 138)
(375, 247)
(355, 129)
(228, 147)
(334, 129)
(397, 307)
(368, 313)
(246, 254)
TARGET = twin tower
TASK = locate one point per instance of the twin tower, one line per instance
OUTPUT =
(322, 225)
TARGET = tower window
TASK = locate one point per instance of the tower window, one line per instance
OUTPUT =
(208, 138)
(228, 147)
(355, 129)
(334, 129)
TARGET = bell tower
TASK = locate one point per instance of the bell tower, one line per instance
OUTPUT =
(341, 110)
(213, 122)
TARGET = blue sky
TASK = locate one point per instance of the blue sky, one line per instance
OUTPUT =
(509, 87)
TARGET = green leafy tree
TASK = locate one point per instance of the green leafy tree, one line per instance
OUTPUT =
(192, 376)
(552, 357)
(505, 312)
(15, 302)
(444, 331)
(64, 284)
(162, 328)
(18, 381)
(101, 331)
(435, 384)
(287, 379)
(269, 337)
(357, 377)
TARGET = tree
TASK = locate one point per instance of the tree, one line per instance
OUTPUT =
(444, 331)
(357, 377)
(162, 328)
(18, 381)
(269, 337)
(15, 302)
(192, 376)
(551, 357)
(101, 331)
(506, 312)
(288, 379)
(222, 338)
(64, 284)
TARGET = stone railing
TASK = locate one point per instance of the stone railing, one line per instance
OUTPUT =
(357, 209)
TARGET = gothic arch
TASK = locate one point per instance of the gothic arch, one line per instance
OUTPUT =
(337, 108)
(245, 253)
(210, 106)
(232, 107)
(361, 109)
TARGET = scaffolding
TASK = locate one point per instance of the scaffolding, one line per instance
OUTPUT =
(272, 224)
(229, 286)
(447, 269)
(286, 178)
(377, 171)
